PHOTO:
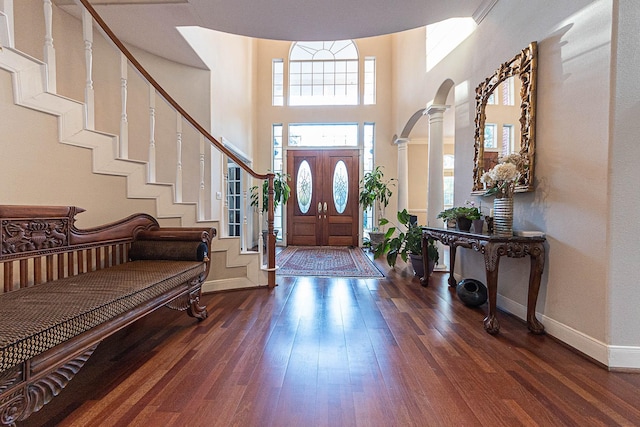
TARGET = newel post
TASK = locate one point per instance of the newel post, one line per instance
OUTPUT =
(271, 238)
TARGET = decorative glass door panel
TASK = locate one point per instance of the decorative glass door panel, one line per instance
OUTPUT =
(323, 209)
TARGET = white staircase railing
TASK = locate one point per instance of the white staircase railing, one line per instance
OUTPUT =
(193, 134)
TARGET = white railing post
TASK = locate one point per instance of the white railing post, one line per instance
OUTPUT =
(201, 198)
(49, 51)
(179, 157)
(124, 121)
(245, 209)
(152, 134)
(87, 32)
(262, 243)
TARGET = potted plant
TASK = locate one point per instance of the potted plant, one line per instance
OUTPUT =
(449, 216)
(463, 215)
(281, 193)
(375, 191)
(407, 245)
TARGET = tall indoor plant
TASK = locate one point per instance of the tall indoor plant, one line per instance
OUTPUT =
(281, 193)
(375, 192)
(407, 245)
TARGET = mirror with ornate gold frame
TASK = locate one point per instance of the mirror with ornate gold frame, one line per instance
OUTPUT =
(520, 71)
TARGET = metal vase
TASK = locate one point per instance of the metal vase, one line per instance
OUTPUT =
(503, 216)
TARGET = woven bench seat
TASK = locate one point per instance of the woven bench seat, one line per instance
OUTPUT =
(33, 320)
(64, 290)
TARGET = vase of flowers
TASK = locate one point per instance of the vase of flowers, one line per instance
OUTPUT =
(500, 181)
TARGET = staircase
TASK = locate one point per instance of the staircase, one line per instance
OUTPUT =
(34, 87)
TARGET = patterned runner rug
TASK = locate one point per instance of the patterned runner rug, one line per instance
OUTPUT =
(325, 261)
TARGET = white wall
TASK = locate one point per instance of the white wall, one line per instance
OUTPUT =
(571, 202)
(623, 297)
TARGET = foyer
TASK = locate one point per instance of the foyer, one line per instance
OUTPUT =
(340, 352)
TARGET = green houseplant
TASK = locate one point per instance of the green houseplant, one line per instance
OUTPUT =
(407, 245)
(462, 215)
(281, 193)
(375, 191)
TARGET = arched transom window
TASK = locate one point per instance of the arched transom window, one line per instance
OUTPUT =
(323, 73)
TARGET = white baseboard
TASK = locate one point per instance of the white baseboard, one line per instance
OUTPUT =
(624, 357)
(612, 356)
(227, 284)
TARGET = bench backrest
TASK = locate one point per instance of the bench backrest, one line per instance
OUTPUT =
(41, 243)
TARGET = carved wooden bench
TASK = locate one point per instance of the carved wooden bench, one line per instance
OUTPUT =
(66, 289)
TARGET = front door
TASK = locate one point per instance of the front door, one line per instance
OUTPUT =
(323, 208)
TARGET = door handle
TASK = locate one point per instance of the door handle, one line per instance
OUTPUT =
(325, 207)
(319, 210)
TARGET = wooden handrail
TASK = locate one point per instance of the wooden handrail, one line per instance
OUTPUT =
(166, 95)
(271, 241)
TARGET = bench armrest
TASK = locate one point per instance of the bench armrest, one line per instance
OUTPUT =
(177, 244)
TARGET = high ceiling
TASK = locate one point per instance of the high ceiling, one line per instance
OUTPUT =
(151, 24)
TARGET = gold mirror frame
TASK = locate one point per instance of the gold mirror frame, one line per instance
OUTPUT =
(524, 65)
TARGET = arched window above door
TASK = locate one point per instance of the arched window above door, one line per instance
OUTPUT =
(323, 73)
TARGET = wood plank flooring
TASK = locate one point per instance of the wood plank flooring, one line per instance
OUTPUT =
(340, 352)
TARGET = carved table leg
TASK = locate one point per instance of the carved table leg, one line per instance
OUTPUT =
(535, 275)
(424, 280)
(452, 264)
(491, 261)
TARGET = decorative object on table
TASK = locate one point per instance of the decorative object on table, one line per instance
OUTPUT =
(449, 217)
(500, 181)
(472, 292)
(375, 191)
(478, 225)
(281, 193)
(464, 215)
(503, 216)
(489, 220)
(407, 244)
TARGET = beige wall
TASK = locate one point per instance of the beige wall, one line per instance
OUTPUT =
(231, 60)
(570, 201)
(38, 170)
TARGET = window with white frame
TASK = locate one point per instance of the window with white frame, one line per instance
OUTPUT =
(507, 92)
(369, 81)
(369, 135)
(448, 179)
(234, 199)
(277, 167)
(278, 82)
(323, 135)
(323, 73)
(507, 139)
(490, 137)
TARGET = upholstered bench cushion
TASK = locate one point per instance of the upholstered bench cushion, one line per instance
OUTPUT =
(33, 320)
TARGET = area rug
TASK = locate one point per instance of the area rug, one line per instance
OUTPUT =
(325, 261)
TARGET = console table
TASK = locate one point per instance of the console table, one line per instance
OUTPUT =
(493, 247)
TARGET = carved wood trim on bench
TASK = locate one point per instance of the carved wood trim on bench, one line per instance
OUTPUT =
(41, 244)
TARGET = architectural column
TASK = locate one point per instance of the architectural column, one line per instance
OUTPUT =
(403, 173)
(435, 189)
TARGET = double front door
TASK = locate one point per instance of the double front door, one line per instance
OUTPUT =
(323, 207)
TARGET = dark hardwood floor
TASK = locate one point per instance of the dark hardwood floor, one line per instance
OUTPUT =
(340, 352)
